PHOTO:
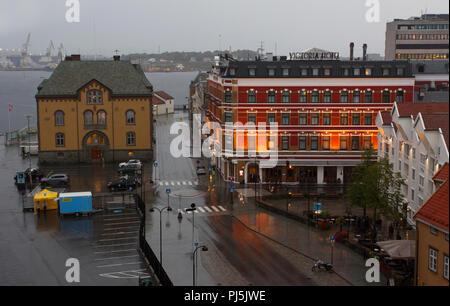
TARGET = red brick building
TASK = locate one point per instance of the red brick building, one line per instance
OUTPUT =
(325, 111)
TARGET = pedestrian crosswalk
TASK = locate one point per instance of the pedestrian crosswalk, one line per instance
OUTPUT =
(177, 183)
(205, 209)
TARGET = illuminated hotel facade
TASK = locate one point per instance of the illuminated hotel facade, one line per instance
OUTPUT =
(325, 111)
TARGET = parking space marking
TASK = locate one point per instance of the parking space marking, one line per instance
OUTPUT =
(114, 245)
(131, 222)
(116, 251)
(122, 264)
(126, 274)
(119, 233)
(223, 209)
(125, 238)
(118, 257)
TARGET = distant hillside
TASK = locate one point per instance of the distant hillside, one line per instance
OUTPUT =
(181, 61)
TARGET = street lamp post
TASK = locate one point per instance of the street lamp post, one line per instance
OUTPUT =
(29, 146)
(192, 209)
(204, 249)
(160, 210)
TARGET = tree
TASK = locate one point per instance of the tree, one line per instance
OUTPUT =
(375, 185)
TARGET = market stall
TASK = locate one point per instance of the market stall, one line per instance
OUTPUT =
(45, 200)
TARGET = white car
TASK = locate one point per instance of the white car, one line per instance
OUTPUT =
(135, 162)
(201, 170)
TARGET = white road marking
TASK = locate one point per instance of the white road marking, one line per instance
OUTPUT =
(116, 251)
(113, 245)
(167, 183)
(123, 264)
(190, 183)
(160, 183)
(215, 208)
(223, 209)
(180, 210)
(112, 239)
(201, 209)
(172, 183)
(131, 222)
(178, 183)
(184, 183)
(120, 233)
(126, 274)
(208, 209)
(118, 257)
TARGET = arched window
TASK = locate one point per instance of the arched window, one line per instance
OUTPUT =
(101, 117)
(399, 97)
(368, 96)
(327, 96)
(95, 139)
(131, 139)
(386, 96)
(94, 97)
(314, 96)
(344, 97)
(286, 96)
(60, 141)
(131, 117)
(59, 118)
(88, 117)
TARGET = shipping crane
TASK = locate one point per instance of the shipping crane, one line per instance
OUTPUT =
(50, 49)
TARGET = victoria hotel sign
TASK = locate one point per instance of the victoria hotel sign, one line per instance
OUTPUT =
(313, 56)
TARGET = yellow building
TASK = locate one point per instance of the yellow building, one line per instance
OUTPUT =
(432, 240)
(95, 110)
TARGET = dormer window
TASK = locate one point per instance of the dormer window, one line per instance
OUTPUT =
(368, 71)
(304, 71)
(271, 72)
(251, 71)
(386, 72)
(315, 71)
(356, 71)
(232, 71)
(327, 71)
(94, 97)
(285, 72)
(400, 71)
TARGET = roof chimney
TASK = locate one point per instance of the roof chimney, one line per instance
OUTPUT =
(76, 57)
(365, 52)
(352, 45)
(116, 58)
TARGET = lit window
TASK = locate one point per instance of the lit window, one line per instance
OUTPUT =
(343, 142)
(368, 71)
(344, 119)
(325, 142)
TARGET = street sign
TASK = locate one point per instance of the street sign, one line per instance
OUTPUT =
(209, 168)
(317, 206)
(231, 189)
(155, 164)
(332, 239)
(231, 183)
(168, 191)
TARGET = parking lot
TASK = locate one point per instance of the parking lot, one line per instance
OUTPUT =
(35, 247)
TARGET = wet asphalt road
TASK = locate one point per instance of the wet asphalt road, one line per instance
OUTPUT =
(247, 252)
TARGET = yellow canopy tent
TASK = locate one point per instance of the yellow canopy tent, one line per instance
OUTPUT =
(45, 199)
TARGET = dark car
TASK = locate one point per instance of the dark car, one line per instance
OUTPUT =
(55, 180)
(124, 183)
(130, 169)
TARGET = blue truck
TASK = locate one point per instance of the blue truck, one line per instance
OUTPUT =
(75, 203)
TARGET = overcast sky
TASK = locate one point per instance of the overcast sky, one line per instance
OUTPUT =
(200, 25)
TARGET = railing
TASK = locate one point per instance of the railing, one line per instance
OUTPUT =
(163, 278)
(147, 250)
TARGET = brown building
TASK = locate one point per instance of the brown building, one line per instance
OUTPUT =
(432, 242)
(95, 110)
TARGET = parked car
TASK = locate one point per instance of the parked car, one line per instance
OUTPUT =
(201, 170)
(129, 169)
(55, 180)
(124, 183)
(136, 162)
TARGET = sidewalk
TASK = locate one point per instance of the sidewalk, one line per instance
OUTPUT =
(306, 239)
